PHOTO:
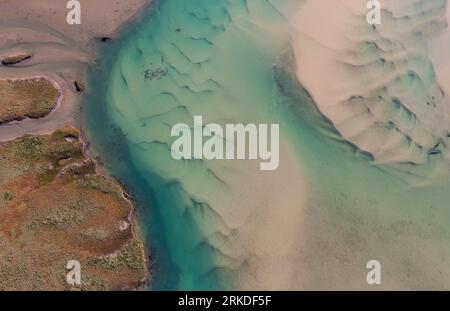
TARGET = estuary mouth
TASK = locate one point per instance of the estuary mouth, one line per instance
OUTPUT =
(219, 145)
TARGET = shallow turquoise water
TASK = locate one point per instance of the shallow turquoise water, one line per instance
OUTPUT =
(227, 61)
(181, 58)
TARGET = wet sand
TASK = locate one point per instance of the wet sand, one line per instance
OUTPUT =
(60, 52)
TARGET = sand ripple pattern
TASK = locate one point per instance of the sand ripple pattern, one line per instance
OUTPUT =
(212, 58)
(385, 98)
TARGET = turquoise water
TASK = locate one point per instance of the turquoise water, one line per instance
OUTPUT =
(206, 223)
(181, 58)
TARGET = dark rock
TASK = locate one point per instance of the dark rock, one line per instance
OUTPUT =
(79, 86)
(105, 39)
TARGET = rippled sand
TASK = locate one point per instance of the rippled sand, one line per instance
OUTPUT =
(363, 113)
(378, 84)
(383, 90)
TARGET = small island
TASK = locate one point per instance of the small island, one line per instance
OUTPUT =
(27, 98)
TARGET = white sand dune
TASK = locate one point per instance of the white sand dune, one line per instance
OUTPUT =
(378, 84)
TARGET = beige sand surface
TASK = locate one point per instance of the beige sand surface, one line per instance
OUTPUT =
(60, 52)
(98, 17)
(410, 240)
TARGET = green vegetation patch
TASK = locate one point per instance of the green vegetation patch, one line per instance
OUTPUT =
(30, 98)
(131, 256)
